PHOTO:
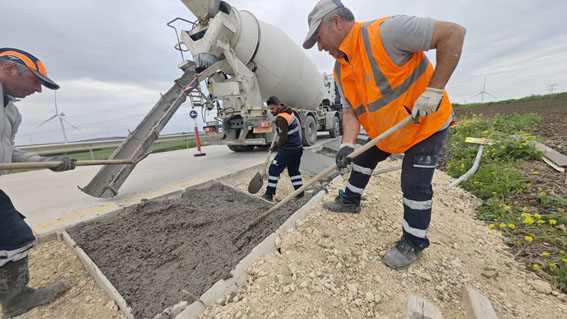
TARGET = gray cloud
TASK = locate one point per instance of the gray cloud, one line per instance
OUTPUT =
(112, 58)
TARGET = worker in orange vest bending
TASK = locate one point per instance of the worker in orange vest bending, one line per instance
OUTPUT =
(384, 76)
(290, 148)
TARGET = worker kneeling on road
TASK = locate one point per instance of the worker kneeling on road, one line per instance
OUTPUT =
(21, 74)
(289, 145)
(384, 76)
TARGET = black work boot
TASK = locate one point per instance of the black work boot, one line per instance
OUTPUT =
(342, 204)
(30, 298)
(401, 255)
(268, 197)
(16, 297)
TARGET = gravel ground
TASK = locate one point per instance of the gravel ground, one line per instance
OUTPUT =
(330, 266)
(53, 260)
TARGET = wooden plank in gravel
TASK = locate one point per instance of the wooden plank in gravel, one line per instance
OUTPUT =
(477, 306)
(418, 308)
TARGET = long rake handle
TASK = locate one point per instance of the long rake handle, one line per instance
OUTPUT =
(31, 165)
(329, 170)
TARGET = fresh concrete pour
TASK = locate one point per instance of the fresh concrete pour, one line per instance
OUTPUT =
(161, 252)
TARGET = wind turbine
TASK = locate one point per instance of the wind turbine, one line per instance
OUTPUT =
(62, 119)
(483, 92)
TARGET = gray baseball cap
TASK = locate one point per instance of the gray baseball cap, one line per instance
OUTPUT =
(321, 9)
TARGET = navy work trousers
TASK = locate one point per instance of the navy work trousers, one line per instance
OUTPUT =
(285, 158)
(418, 167)
(14, 232)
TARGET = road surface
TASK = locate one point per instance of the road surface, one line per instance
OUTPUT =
(51, 201)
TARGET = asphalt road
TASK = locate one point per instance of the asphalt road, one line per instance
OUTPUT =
(52, 201)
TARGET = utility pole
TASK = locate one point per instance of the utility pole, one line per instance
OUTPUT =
(551, 88)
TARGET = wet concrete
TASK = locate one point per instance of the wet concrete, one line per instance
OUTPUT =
(161, 252)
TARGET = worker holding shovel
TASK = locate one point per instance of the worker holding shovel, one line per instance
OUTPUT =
(21, 74)
(289, 145)
(384, 76)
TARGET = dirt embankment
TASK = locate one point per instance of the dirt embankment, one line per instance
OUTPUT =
(552, 130)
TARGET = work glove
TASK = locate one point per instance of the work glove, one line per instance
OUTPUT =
(427, 103)
(67, 163)
(344, 150)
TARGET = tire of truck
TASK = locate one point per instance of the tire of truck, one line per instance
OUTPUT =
(241, 148)
(309, 135)
(335, 130)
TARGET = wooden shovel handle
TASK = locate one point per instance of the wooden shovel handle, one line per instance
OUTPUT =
(329, 170)
(53, 164)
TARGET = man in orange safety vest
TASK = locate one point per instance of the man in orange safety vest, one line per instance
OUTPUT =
(383, 76)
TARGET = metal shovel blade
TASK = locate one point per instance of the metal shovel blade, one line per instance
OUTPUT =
(256, 183)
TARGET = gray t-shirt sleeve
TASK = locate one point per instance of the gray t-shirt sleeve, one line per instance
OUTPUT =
(403, 35)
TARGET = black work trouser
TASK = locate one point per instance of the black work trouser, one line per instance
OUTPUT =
(418, 167)
(290, 159)
(14, 232)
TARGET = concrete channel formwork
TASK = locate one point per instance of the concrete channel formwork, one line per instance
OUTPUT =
(172, 256)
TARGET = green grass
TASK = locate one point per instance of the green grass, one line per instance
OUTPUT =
(525, 99)
(532, 228)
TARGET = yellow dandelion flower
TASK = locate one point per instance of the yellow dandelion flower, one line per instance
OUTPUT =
(541, 222)
(535, 173)
(564, 260)
(507, 207)
(545, 254)
(503, 147)
(528, 220)
(493, 232)
(491, 226)
(536, 267)
(562, 252)
(543, 193)
(525, 214)
(552, 222)
(512, 226)
(529, 239)
(553, 266)
(502, 225)
(536, 215)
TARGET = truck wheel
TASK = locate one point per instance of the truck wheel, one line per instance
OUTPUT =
(309, 132)
(336, 128)
(241, 148)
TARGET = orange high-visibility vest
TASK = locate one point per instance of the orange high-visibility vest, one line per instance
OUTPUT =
(382, 93)
(294, 129)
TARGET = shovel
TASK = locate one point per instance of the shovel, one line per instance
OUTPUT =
(326, 172)
(258, 180)
(53, 164)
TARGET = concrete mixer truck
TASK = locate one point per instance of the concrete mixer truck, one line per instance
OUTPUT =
(242, 61)
(245, 60)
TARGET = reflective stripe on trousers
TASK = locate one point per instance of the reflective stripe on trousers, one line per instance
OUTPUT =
(290, 159)
(418, 167)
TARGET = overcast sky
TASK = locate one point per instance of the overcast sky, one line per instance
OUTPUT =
(113, 58)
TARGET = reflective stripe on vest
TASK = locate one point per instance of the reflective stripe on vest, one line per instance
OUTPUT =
(294, 129)
(381, 103)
